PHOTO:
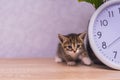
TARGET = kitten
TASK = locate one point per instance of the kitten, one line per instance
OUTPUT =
(71, 49)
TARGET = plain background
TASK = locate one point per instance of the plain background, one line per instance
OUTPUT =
(29, 28)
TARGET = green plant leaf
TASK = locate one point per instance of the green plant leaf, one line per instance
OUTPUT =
(96, 3)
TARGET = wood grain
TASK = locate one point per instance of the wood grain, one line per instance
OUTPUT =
(47, 69)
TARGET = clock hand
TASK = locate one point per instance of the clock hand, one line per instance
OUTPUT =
(113, 42)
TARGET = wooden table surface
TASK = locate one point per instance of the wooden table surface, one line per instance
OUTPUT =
(47, 69)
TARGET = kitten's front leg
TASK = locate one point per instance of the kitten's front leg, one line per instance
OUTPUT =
(58, 59)
(85, 59)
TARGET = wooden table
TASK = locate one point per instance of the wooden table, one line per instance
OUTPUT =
(47, 69)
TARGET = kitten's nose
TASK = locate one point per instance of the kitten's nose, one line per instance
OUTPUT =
(74, 51)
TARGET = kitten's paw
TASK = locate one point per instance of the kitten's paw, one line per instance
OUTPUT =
(86, 61)
(58, 60)
(71, 63)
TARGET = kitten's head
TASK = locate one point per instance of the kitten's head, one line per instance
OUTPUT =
(72, 44)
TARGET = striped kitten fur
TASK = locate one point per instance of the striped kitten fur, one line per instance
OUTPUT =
(71, 49)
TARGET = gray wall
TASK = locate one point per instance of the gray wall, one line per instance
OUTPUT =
(29, 28)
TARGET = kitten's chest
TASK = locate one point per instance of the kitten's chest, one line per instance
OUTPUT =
(71, 58)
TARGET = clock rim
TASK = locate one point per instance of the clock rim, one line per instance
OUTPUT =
(91, 37)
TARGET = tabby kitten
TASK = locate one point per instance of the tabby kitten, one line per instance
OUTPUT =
(71, 49)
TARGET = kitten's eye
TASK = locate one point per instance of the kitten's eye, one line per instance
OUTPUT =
(70, 47)
(78, 46)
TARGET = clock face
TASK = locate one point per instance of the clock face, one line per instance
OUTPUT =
(104, 33)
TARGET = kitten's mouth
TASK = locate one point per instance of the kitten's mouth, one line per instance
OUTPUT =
(74, 56)
(74, 53)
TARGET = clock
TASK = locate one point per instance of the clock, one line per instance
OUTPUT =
(104, 33)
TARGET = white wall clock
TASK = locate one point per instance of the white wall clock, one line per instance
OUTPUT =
(104, 33)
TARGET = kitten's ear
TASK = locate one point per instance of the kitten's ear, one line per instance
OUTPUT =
(82, 35)
(62, 38)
